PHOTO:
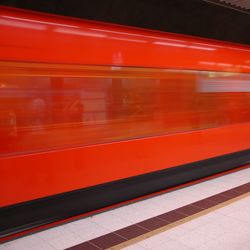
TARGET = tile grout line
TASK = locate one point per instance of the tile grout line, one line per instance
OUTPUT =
(179, 216)
(129, 202)
(176, 223)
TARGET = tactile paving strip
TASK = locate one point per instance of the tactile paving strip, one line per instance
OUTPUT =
(147, 228)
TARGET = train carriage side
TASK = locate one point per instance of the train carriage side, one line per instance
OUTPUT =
(94, 114)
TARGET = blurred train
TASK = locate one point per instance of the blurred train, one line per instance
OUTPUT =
(94, 114)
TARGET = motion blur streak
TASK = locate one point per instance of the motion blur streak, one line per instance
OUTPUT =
(94, 114)
(47, 106)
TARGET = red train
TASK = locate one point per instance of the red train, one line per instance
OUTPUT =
(93, 114)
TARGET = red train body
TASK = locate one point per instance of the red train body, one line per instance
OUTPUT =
(93, 114)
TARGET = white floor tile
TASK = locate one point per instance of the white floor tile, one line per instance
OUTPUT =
(222, 233)
(132, 214)
(202, 220)
(245, 246)
(27, 243)
(194, 239)
(154, 241)
(215, 245)
(109, 221)
(171, 245)
(239, 209)
(226, 228)
(53, 233)
(175, 233)
(63, 242)
(241, 215)
(86, 229)
(134, 247)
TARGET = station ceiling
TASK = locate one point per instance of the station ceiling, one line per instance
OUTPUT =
(227, 20)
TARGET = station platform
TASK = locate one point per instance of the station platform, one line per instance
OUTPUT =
(209, 215)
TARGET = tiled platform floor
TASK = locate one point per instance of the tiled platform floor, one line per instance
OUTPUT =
(225, 228)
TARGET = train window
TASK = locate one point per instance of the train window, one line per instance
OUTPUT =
(44, 106)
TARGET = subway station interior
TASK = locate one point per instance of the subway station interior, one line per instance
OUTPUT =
(125, 124)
